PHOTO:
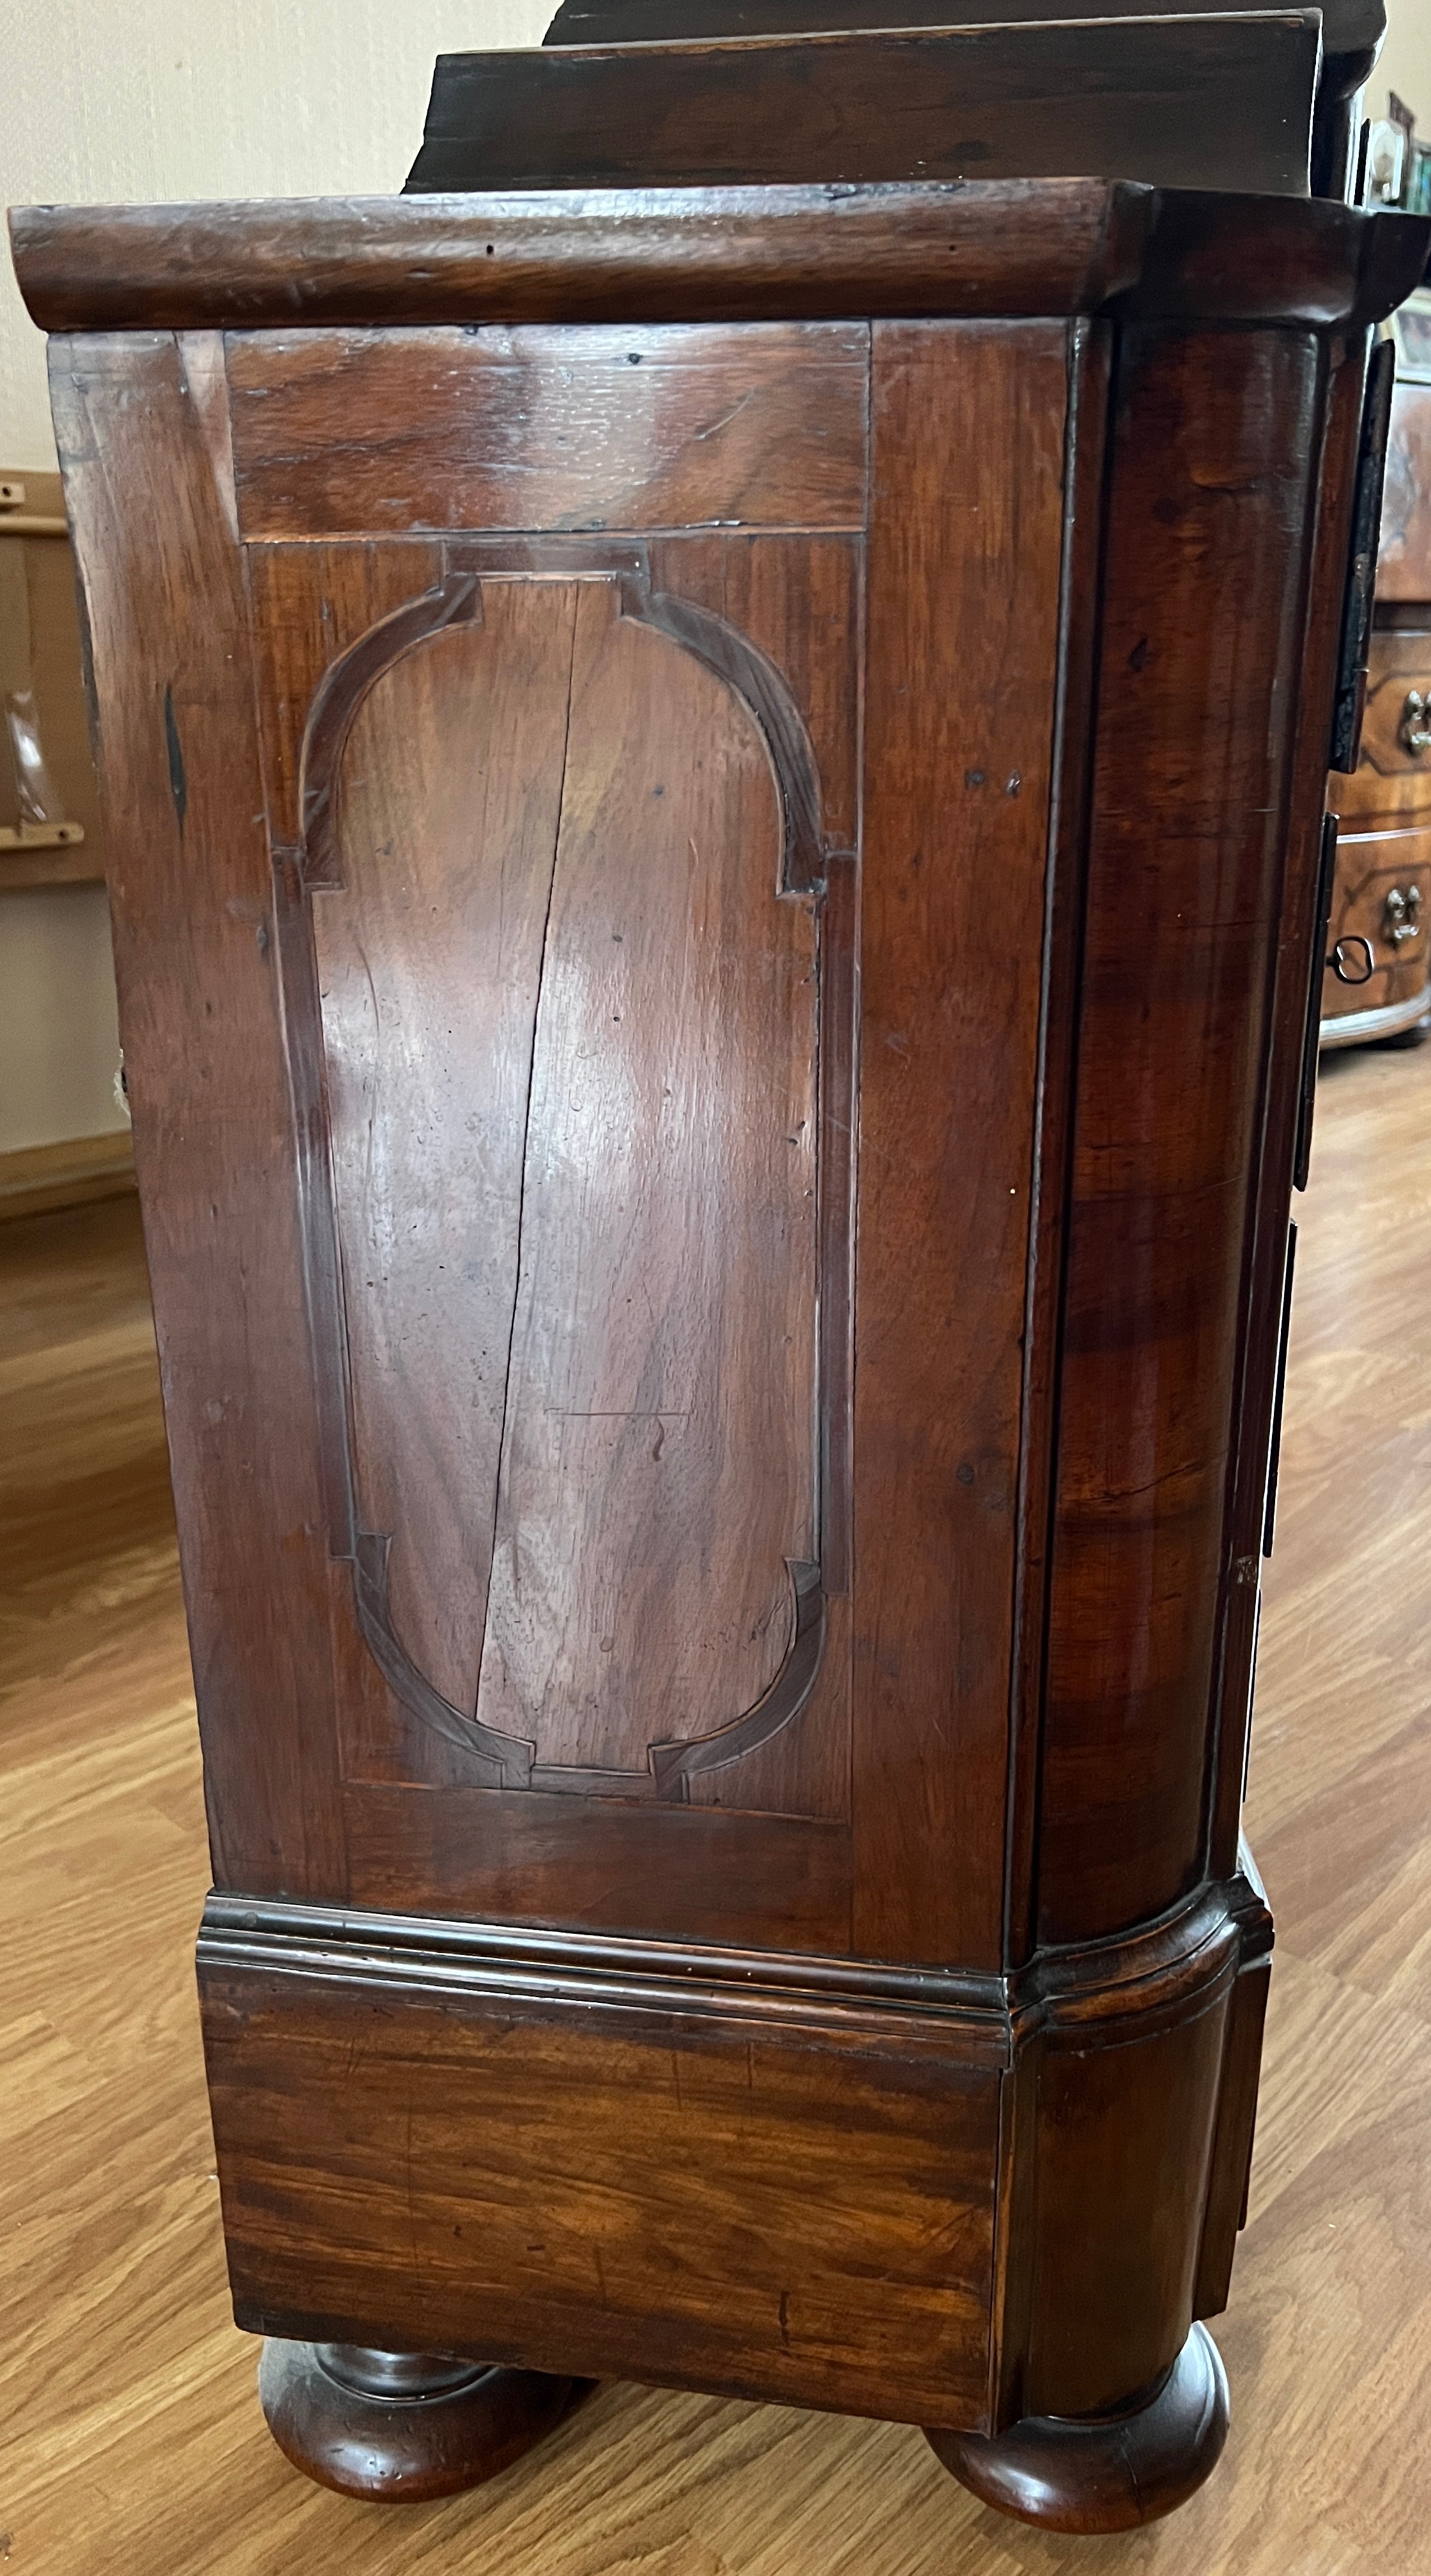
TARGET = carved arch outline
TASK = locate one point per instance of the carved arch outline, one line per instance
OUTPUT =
(510, 1761)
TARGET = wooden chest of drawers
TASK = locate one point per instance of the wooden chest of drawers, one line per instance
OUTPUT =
(715, 895)
(1383, 881)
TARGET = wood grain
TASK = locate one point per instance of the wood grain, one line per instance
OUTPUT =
(659, 1465)
(963, 611)
(1351, 33)
(1116, 2056)
(1187, 842)
(549, 427)
(793, 2214)
(694, 1872)
(1085, 459)
(800, 603)
(1291, 1003)
(514, 792)
(134, 2430)
(664, 254)
(985, 247)
(421, 892)
(796, 600)
(180, 788)
(1174, 102)
(429, 959)
(300, 627)
(34, 1178)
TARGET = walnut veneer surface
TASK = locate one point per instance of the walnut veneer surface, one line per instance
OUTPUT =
(132, 2437)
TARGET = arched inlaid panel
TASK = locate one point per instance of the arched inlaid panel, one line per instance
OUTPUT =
(560, 862)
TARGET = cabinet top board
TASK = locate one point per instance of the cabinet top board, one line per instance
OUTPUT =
(1348, 26)
(1218, 101)
(1352, 31)
(1050, 247)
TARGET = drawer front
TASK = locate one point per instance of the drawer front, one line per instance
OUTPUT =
(1390, 789)
(1396, 730)
(1383, 895)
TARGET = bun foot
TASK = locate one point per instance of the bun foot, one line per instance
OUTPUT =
(401, 2427)
(1095, 2473)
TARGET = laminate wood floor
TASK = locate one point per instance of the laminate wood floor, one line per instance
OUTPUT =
(130, 2437)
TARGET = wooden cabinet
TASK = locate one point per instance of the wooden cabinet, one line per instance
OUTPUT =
(1383, 885)
(714, 815)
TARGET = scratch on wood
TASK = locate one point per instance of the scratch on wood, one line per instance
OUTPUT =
(178, 782)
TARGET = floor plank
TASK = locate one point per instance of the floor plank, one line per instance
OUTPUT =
(130, 2437)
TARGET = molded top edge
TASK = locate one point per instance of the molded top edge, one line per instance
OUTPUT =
(977, 248)
(727, 253)
(1347, 25)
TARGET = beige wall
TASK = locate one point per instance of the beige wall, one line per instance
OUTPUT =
(132, 100)
(1405, 64)
(112, 101)
(59, 1045)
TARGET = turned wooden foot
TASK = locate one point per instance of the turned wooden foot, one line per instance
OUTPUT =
(400, 2427)
(1092, 2473)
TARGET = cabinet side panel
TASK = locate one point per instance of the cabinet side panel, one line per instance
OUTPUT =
(1215, 457)
(658, 1471)
(1298, 964)
(529, 1856)
(963, 612)
(429, 957)
(553, 426)
(191, 897)
(703, 2198)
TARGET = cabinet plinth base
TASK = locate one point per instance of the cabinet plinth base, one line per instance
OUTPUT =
(400, 2428)
(1096, 2473)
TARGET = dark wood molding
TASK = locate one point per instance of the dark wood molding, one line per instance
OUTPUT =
(1138, 1979)
(668, 254)
(1348, 26)
(1323, 264)
(1064, 2058)
(1019, 246)
(454, 601)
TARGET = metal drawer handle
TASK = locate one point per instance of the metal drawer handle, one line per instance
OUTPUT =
(1414, 730)
(1401, 920)
(1340, 967)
